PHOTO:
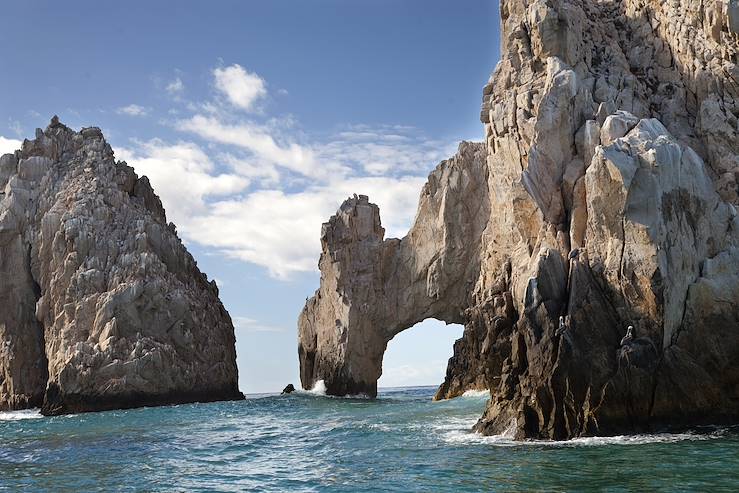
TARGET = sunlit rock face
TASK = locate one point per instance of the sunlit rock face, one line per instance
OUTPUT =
(372, 288)
(101, 305)
(605, 194)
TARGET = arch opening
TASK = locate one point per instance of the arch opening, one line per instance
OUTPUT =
(419, 355)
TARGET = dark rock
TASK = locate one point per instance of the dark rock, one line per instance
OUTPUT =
(606, 195)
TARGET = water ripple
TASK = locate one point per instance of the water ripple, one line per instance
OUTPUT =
(307, 442)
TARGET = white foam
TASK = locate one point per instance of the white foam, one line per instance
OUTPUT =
(319, 388)
(380, 427)
(506, 440)
(19, 415)
(476, 393)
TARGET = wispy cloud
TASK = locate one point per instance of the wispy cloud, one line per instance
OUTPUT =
(257, 140)
(175, 88)
(183, 175)
(257, 189)
(431, 372)
(251, 325)
(16, 127)
(133, 110)
(280, 230)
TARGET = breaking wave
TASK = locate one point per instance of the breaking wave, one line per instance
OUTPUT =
(318, 389)
(476, 393)
(19, 415)
(461, 436)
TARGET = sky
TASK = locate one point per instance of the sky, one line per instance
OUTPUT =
(254, 120)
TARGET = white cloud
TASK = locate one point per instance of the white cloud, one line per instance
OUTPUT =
(272, 227)
(260, 190)
(8, 146)
(133, 110)
(257, 140)
(175, 88)
(385, 150)
(182, 175)
(16, 127)
(281, 231)
(249, 324)
(430, 373)
(266, 174)
(239, 86)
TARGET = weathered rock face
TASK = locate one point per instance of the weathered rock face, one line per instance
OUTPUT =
(373, 289)
(101, 306)
(607, 196)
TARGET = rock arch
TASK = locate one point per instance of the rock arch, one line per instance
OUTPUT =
(605, 193)
(373, 288)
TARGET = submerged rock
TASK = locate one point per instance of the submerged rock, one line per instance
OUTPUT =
(605, 193)
(101, 305)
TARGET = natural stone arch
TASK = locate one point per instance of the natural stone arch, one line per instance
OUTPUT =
(608, 198)
(372, 289)
(419, 355)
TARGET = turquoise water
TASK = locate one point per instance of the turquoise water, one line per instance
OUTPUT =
(400, 442)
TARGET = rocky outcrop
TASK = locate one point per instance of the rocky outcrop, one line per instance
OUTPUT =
(606, 196)
(101, 305)
(372, 289)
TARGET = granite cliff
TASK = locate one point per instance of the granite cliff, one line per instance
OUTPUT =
(604, 196)
(101, 305)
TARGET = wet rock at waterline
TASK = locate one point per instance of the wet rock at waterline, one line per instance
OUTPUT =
(605, 193)
(101, 305)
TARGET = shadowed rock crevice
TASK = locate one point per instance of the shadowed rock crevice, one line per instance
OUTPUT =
(609, 184)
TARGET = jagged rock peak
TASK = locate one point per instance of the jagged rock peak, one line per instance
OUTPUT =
(603, 197)
(101, 305)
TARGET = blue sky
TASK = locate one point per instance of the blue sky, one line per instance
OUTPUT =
(254, 120)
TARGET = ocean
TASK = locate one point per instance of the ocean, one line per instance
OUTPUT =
(402, 441)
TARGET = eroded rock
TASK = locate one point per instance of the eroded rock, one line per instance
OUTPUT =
(101, 305)
(607, 197)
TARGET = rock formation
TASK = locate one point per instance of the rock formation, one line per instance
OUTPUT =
(101, 305)
(605, 193)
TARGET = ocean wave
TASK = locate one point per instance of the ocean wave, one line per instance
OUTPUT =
(476, 393)
(461, 436)
(319, 390)
(19, 415)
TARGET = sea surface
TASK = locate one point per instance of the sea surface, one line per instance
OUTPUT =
(401, 442)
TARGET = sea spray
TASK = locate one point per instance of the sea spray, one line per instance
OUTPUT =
(319, 388)
(476, 393)
(20, 415)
